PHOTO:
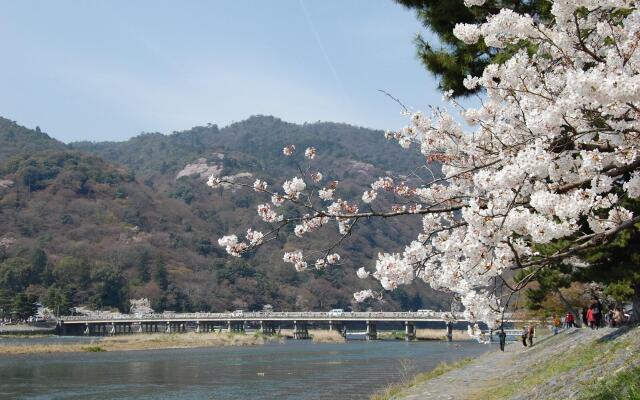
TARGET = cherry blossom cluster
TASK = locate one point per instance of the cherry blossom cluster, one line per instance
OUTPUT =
(310, 224)
(234, 247)
(363, 295)
(553, 151)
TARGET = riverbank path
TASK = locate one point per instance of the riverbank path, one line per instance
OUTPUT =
(496, 371)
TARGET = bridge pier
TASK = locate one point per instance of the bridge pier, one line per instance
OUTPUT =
(60, 329)
(300, 330)
(202, 327)
(449, 331)
(267, 328)
(125, 328)
(372, 332)
(409, 330)
(339, 327)
(235, 326)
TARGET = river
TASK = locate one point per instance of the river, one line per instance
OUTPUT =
(290, 370)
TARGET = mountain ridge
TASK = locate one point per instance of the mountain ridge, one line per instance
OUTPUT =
(148, 231)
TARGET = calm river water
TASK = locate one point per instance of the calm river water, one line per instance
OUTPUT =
(293, 370)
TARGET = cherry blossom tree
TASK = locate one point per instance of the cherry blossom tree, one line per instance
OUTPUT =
(549, 157)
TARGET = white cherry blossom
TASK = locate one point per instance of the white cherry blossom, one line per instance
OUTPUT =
(259, 186)
(362, 273)
(369, 196)
(363, 295)
(549, 156)
(293, 187)
(326, 194)
(254, 237)
(316, 177)
(310, 153)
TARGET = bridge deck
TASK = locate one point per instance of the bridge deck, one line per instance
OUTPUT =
(269, 316)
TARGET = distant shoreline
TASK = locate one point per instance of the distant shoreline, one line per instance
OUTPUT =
(135, 342)
(25, 330)
(161, 341)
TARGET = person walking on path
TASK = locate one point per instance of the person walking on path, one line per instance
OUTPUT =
(591, 318)
(568, 320)
(556, 324)
(530, 334)
(617, 317)
(585, 322)
(525, 332)
(608, 318)
(597, 311)
(503, 339)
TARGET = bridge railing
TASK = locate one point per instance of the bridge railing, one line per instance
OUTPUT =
(307, 315)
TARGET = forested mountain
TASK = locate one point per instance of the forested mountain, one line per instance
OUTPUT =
(16, 139)
(100, 223)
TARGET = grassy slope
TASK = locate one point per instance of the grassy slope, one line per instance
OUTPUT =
(576, 364)
(579, 364)
(393, 391)
(623, 385)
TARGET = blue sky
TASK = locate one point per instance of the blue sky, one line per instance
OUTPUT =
(108, 70)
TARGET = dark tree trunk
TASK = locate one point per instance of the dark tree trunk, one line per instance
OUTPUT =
(577, 315)
(635, 313)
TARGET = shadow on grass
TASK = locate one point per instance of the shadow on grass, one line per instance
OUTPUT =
(616, 333)
(563, 333)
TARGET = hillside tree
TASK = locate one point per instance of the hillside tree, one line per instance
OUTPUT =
(23, 307)
(448, 57)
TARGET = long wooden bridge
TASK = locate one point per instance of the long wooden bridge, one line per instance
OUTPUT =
(266, 322)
